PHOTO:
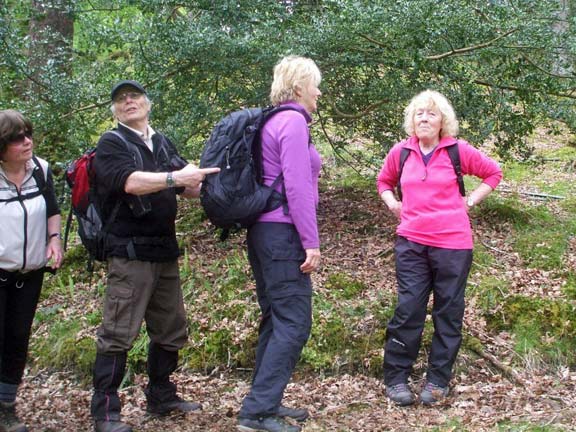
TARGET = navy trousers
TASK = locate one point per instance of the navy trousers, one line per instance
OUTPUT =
(421, 270)
(285, 299)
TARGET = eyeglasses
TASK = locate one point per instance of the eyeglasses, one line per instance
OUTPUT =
(123, 96)
(19, 138)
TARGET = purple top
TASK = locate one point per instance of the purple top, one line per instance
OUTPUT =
(285, 149)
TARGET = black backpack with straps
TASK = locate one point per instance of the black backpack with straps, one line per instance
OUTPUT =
(236, 196)
(454, 155)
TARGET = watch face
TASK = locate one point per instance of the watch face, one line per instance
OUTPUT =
(170, 180)
(470, 202)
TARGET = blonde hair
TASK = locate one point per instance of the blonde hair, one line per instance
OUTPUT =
(432, 99)
(290, 72)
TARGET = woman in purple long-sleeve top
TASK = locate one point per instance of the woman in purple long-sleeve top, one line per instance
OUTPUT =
(284, 247)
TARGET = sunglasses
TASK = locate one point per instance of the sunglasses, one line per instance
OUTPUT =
(19, 138)
(123, 96)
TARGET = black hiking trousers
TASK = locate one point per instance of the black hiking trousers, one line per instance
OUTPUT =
(420, 271)
(285, 299)
(18, 301)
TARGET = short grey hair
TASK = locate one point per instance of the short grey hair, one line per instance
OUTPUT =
(146, 98)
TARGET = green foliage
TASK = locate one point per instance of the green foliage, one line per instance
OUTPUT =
(62, 348)
(343, 286)
(502, 67)
(541, 237)
(340, 341)
(570, 287)
(540, 325)
(509, 426)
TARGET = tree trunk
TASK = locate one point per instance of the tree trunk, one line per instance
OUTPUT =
(51, 30)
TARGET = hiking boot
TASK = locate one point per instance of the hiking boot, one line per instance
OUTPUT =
(432, 393)
(270, 424)
(298, 414)
(400, 394)
(176, 403)
(111, 426)
(9, 421)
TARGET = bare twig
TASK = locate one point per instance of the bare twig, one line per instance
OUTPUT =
(494, 249)
(536, 195)
(505, 369)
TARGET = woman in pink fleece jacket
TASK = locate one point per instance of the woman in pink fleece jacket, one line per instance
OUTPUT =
(434, 245)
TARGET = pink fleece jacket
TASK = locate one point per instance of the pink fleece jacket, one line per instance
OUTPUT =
(433, 211)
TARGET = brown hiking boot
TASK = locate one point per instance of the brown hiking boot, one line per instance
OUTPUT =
(9, 421)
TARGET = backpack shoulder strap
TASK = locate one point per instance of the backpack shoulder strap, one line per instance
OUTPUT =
(131, 147)
(454, 154)
(268, 113)
(404, 153)
(39, 175)
(139, 204)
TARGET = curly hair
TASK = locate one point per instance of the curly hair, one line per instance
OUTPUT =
(432, 99)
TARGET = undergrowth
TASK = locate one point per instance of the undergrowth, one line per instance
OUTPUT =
(348, 330)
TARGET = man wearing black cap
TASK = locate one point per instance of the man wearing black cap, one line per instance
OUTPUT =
(138, 174)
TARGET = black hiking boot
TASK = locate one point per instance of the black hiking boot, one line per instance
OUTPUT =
(111, 426)
(176, 403)
(9, 421)
(298, 414)
(432, 393)
(267, 424)
(400, 394)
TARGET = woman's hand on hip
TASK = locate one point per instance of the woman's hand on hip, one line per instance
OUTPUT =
(312, 261)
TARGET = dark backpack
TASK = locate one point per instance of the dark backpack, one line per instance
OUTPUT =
(236, 196)
(454, 155)
(85, 201)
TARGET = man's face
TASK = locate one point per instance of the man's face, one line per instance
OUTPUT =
(130, 106)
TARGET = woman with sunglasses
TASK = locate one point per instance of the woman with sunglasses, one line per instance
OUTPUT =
(29, 241)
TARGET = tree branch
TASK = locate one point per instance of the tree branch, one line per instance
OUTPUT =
(460, 51)
(374, 41)
(336, 150)
(544, 71)
(514, 88)
(367, 110)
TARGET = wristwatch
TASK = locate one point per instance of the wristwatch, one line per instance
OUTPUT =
(56, 234)
(170, 180)
(470, 202)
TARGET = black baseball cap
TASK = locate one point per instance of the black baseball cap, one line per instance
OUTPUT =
(125, 83)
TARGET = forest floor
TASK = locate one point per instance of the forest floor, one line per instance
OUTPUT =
(496, 391)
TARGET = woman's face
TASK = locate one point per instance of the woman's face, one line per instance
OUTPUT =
(427, 122)
(308, 96)
(20, 149)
